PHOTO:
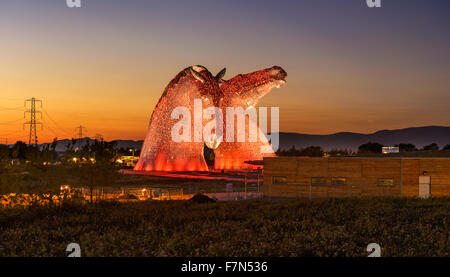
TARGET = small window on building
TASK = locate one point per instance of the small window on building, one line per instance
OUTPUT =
(277, 180)
(390, 149)
(318, 181)
(339, 181)
(385, 182)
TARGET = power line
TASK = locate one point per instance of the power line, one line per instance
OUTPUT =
(56, 124)
(10, 109)
(5, 137)
(11, 98)
(48, 127)
(33, 133)
(12, 121)
(12, 133)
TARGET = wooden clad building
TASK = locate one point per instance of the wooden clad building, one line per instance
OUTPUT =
(304, 177)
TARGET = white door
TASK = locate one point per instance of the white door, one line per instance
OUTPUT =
(424, 186)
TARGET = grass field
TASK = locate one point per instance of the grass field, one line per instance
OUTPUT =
(322, 227)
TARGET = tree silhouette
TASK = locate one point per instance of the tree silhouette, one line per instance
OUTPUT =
(407, 147)
(431, 147)
(94, 165)
(370, 147)
(310, 151)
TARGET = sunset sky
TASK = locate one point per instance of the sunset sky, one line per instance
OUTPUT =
(105, 65)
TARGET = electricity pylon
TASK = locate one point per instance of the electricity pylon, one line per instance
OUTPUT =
(98, 137)
(79, 130)
(33, 133)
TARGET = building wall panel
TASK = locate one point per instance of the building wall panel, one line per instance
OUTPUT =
(362, 176)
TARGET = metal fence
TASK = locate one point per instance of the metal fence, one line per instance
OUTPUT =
(248, 187)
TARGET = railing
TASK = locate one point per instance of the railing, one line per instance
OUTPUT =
(249, 190)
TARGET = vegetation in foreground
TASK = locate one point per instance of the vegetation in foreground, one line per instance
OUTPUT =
(322, 227)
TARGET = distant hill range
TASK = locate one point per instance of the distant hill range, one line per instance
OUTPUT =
(419, 136)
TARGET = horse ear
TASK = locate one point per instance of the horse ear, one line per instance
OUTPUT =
(196, 75)
(221, 74)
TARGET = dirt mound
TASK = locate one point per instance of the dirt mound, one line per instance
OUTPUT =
(201, 198)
